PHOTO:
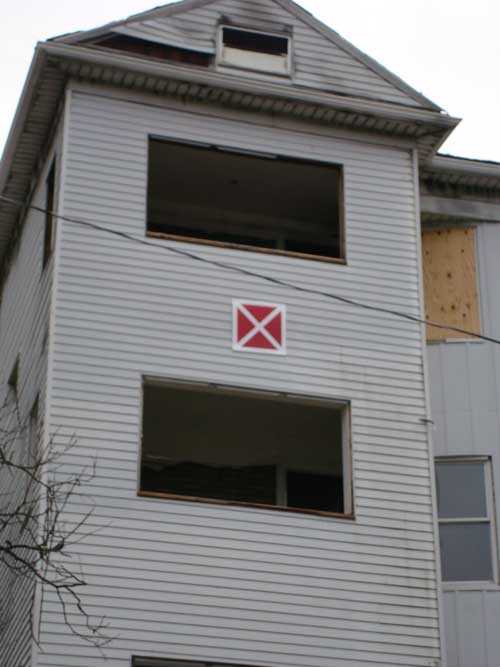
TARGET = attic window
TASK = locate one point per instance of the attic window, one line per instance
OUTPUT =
(259, 51)
(224, 445)
(141, 47)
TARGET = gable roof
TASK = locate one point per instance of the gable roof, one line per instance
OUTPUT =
(76, 57)
(154, 24)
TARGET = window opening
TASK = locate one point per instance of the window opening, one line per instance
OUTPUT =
(465, 514)
(241, 447)
(48, 242)
(255, 41)
(216, 195)
(34, 445)
(142, 47)
(254, 50)
(159, 662)
(13, 381)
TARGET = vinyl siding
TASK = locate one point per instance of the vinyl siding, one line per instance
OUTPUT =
(24, 322)
(193, 581)
(465, 392)
(317, 61)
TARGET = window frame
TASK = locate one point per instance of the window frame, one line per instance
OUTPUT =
(490, 519)
(142, 661)
(344, 406)
(207, 145)
(221, 62)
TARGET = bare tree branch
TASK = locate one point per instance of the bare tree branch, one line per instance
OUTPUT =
(36, 536)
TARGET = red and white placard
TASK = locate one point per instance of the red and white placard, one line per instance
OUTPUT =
(259, 327)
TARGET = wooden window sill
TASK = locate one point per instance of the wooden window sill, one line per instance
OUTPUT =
(233, 503)
(247, 248)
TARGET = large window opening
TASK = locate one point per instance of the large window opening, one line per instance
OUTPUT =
(240, 447)
(212, 195)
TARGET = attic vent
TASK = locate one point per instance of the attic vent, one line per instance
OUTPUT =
(259, 51)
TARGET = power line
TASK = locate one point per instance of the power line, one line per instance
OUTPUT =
(251, 274)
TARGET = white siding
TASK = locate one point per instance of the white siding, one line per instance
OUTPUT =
(318, 62)
(465, 393)
(194, 581)
(24, 322)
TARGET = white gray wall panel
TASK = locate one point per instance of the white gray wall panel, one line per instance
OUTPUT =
(188, 580)
(24, 322)
(465, 392)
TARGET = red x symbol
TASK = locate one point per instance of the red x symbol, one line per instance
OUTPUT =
(259, 327)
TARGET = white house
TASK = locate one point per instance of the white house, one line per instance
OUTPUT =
(210, 233)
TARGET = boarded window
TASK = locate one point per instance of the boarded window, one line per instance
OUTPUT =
(216, 195)
(450, 281)
(240, 447)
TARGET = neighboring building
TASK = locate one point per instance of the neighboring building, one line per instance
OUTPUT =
(264, 489)
(461, 211)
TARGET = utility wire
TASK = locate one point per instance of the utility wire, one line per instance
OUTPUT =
(250, 274)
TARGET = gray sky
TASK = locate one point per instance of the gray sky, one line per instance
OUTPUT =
(447, 49)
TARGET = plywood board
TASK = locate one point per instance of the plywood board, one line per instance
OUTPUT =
(450, 281)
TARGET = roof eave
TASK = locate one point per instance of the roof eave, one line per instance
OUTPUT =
(461, 173)
(68, 60)
(109, 58)
(356, 53)
(21, 114)
(288, 5)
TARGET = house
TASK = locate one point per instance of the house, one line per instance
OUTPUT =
(211, 221)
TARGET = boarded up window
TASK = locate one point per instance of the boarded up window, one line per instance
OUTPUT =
(450, 281)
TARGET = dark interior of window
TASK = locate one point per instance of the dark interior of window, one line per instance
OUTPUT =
(142, 47)
(158, 662)
(49, 213)
(255, 41)
(14, 378)
(217, 195)
(243, 448)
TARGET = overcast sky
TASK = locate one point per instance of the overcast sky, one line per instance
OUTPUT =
(447, 49)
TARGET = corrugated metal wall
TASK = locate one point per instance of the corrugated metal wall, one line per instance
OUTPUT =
(24, 321)
(249, 586)
(465, 392)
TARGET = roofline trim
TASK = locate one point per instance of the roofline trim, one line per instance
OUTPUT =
(162, 11)
(288, 5)
(220, 79)
(20, 116)
(451, 163)
(356, 53)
